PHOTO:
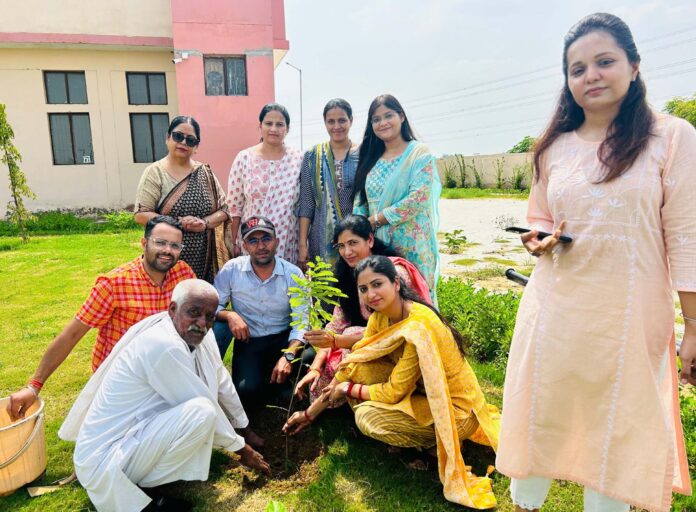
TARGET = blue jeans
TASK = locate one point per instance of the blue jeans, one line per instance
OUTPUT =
(253, 363)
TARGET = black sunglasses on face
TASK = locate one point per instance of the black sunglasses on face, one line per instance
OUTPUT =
(191, 141)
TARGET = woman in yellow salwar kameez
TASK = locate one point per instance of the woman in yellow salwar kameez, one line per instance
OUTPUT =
(409, 384)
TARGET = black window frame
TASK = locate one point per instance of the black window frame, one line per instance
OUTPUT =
(72, 136)
(152, 133)
(67, 87)
(147, 75)
(225, 59)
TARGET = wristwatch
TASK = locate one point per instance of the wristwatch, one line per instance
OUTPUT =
(289, 356)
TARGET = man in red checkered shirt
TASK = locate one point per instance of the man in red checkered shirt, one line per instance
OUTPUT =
(118, 300)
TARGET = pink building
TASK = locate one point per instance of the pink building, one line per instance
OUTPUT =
(91, 86)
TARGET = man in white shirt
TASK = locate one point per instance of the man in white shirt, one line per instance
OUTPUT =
(155, 408)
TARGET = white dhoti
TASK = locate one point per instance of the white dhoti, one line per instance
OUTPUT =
(151, 415)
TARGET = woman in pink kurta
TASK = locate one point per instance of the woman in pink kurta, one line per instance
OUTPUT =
(265, 180)
(591, 390)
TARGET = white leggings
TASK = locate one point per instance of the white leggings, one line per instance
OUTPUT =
(530, 493)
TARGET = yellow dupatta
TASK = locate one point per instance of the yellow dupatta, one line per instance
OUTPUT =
(422, 328)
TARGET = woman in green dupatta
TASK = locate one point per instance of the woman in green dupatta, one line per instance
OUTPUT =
(326, 185)
(397, 187)
(180, 187)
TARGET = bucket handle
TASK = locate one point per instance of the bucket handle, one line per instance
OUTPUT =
(37, 427)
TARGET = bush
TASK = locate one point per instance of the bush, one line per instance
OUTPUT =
(60, 222)
(450, 179)
(487, 319)
(455, 241)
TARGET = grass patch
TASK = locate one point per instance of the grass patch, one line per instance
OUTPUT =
(500, 261)
(60, 222)
(42, 285)
(482, 193)
(466, 262)
(487, 272)
(501, 241)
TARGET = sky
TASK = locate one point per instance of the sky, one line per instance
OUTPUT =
(474, 77)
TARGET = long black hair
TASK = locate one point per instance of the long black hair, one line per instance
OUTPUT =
(359, 226)
(372, 147)
(631, 129)
(385, 267)
(269, 107)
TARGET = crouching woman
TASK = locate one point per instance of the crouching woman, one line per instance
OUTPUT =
(409, 384)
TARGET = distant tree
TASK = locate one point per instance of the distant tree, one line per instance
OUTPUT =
(9, 155)
(683, 107)
(524, 145)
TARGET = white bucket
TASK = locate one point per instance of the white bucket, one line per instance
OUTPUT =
(22, 447)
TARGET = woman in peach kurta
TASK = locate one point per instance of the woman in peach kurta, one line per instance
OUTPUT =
(591, 387)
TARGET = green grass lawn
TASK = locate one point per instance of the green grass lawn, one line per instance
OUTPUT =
(43, 284)
(483, 193)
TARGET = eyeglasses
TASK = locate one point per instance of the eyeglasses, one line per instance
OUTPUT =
(265, 240)
(161, 244)
(191, 141)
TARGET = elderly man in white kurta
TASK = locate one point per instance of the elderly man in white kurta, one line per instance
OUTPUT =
(155, 408)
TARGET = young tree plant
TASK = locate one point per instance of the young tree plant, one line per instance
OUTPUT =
(17, 212)
(313, 292)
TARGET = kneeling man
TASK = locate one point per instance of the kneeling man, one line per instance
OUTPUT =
(155, 408)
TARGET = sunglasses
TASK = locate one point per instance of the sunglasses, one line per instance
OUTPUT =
(191, 141)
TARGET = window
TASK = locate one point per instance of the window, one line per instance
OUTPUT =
(148, 134)
(71, 139)
(225, 76)
(146, 88)
(65, 87)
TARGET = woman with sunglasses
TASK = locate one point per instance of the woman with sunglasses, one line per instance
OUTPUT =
(265, 181)
(183, 188)
(397, 187)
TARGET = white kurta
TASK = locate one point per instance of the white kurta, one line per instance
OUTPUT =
(151, 414)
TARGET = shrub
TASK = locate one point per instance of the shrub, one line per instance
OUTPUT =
(455, 241)
(450, 179)
(487, 319)
(520, 174)
(461, 165)
(60, 222)
(478, 177)
(499, 168)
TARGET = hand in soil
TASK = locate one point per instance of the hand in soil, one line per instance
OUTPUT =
(253, 460)
(252, 439)
(296, 423)
(310, 379)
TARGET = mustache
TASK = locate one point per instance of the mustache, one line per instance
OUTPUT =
(196, 329)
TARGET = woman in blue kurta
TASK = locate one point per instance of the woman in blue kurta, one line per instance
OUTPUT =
(397, 187)
(326, 184)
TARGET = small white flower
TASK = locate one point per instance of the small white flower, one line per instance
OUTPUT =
(682, 239)
(670, 182)
(595, 212)
(615, 202)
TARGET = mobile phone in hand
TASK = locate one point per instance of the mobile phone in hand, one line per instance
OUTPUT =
(542, 234)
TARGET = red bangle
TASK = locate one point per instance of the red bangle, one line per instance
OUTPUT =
(360, 392)
(36, 384)
(350, 387)
(307, 416)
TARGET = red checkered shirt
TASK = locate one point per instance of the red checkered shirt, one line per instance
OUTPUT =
(123, 297)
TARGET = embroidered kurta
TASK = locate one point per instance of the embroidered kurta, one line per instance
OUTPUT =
(406, 190)
(150, 372)
(591, 387)
(270, 188)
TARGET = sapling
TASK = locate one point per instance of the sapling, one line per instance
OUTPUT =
(308, 299)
